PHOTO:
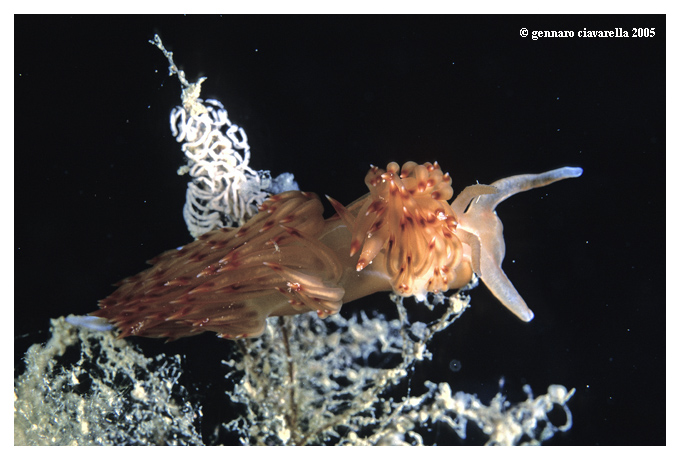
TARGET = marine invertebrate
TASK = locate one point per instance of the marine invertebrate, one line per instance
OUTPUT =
(304, 380)
(308, 381)
(403, 236)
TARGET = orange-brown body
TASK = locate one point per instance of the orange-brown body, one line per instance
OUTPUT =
(403, 236)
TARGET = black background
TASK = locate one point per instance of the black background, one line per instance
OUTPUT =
(97, 194)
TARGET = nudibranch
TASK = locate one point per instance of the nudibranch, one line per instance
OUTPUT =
(403, 236)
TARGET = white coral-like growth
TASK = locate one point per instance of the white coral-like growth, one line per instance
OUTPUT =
(85, 387)
(307, 381)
